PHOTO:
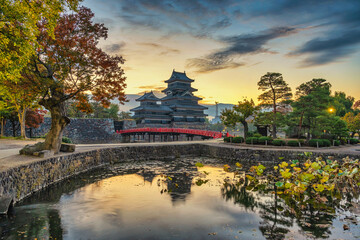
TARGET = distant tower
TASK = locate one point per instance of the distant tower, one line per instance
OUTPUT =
(217, 117)
(217, 110)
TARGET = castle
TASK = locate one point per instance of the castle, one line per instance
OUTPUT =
(179, 108)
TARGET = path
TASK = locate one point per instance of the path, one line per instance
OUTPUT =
(9, 149)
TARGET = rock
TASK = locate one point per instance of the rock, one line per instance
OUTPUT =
(43, 153)
(65, 147)
(5, 203)
(31, 149)
(346, 227)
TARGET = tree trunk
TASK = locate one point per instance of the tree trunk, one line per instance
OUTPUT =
(274, 121)
(246, 129)
(21, 116)
(3, 123)
(58, 123)
(300, 124)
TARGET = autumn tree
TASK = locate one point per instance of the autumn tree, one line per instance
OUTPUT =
(19, 30)
(238, 114)
(21, 97)
(275, 90)
(353, 122)
(71, 65)
(34, 118)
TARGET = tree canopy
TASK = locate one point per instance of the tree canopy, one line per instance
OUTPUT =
(239, 114)
(275, 90)
(70, 66)
(19, 30)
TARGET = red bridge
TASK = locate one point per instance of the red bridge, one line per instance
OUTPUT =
(170, 131)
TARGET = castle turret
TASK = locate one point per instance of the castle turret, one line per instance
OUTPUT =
(150, 113)
(186, 112)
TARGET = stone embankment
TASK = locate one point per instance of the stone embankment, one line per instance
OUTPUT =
(21, 180)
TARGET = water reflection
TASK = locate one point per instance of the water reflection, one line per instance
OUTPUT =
(165, 200)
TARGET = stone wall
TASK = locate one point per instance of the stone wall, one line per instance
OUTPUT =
(19, 182)
(80, 130)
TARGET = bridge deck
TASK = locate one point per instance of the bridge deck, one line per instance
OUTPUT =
(196, 132)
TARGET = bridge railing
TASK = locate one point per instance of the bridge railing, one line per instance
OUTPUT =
(205, 133)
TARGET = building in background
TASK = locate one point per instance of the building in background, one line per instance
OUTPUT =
(179, 108)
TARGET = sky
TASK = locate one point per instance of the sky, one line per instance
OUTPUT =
(227, 45)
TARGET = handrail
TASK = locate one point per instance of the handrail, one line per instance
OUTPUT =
(205, 133)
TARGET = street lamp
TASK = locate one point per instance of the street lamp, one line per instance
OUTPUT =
(331, 110)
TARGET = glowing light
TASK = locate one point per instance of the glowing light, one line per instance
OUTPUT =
(331, 110)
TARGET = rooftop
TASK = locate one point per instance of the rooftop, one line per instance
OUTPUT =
(179, 76)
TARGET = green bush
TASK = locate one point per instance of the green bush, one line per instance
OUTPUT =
(293, 143)
(262, 140)
(227, 139)
(337, 143)
(257, 135)
(354, 141)
(253, 140)
(322, 142)
(66, 140)
(301, 141)
(326, 143)
(278, 142)
(238, 140)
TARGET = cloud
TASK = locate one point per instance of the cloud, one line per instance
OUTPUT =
(329, 48)
(204, 65)
(163, 49)
(114, 48)
(198, 18)
(238, 46)
(213, 18)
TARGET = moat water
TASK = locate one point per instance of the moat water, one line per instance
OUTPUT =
(167, 200)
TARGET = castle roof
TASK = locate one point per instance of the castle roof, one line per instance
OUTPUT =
(179, 76)
(154, 108)
(148, 96)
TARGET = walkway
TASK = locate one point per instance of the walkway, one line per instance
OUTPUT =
(9, 149)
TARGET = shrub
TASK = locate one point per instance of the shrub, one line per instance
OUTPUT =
(227, 139)
(278, 142)
(238, 140)
(326, 143)
(293, 143)
(251, 134)
(354, 141)
(253, 140)
(66, 140)
(262, 140)
(321, 142)
(257, 135)
(337, 143)
(301, 141)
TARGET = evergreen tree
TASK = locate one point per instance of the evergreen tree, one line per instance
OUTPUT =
(276, 90)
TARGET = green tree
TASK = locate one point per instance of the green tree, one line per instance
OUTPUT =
(342, 103)
(332, 125)
(125, 115)
(313, 99)
(239, 114)
(268, 119)
(275, 90)
(19, 30)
